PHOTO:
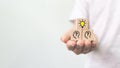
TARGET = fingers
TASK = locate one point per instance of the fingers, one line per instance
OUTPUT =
(87, 46)
(79, 47)
(71, 45)
(94, 45)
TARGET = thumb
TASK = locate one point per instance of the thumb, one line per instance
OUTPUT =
(66, 36)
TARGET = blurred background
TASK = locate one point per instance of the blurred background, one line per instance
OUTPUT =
(30, 33)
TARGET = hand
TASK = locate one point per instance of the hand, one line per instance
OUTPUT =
(80, 46)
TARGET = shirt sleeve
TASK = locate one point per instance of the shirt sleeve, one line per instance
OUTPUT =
(80, 10)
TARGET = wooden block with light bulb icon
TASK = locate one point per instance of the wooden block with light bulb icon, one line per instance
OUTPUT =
(81, 31)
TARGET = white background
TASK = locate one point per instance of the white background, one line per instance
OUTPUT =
(30, 33)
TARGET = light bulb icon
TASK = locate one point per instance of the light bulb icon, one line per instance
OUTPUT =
(82, 23)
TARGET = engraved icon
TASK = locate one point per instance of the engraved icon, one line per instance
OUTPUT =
(82, 23)
(87, 34)
(76, 34)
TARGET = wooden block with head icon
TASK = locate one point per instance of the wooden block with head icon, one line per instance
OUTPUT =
(77, 32)
(76, 35)
(89, 35)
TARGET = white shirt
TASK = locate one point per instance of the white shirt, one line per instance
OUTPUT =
(104, 19)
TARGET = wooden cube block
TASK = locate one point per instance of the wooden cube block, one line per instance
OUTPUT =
(88, 35)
